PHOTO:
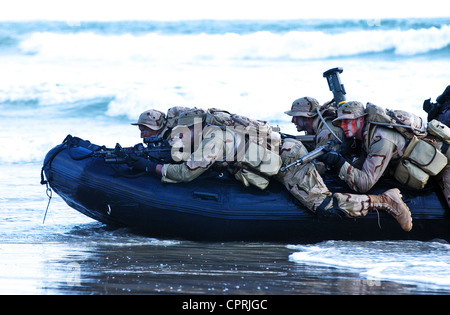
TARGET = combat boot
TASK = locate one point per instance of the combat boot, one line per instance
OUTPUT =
(391, 201)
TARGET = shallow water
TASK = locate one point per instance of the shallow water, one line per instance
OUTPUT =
(72, 254)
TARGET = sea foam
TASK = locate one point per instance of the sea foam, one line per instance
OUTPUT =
(292, 45)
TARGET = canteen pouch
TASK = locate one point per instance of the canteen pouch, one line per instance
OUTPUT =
(419, 161)
(411, 175)
(257, 166)
(439, 130)
(425, 155)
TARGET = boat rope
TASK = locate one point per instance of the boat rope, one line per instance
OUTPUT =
(49, 195)
(45, 182)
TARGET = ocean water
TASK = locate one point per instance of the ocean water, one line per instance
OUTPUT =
(92, 79)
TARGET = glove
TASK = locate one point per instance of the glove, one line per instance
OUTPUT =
(333, 159)
(145, 165)
(127, 158)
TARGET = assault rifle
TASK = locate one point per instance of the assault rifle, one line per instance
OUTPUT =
(157, 150)
(314, 154)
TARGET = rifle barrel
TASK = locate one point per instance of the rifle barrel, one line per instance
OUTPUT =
(314, 154)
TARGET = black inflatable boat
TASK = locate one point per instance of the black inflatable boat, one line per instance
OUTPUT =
(216, 207)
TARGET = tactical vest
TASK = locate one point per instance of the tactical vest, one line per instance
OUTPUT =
(261, 159)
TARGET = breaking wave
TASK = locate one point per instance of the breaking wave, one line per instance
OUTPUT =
(292, 45)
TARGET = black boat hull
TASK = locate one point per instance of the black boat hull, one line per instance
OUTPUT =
(216, 207)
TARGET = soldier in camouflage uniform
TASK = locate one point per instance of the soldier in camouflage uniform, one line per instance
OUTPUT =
(151, 123)
(306, 184)
(305, 117)
(303, 182)
(382, 146)
(202, 147)
(209, 145)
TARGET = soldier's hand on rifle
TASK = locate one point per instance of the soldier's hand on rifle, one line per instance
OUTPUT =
(128, 159)
(145, 165)
(332, 159)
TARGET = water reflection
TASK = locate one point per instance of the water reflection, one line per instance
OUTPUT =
(166, 267)
(89, 259)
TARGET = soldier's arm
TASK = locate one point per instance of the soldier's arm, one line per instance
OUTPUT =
(211, 150)
(378, 158)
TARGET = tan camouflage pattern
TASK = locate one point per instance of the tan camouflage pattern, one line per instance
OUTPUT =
(382, 145)
(152, 118)
(172, 120)
(304, 106)
(217, 146)
(349, 110)
(307, 186)
(323, 135)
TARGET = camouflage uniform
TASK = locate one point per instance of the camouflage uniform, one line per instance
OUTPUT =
(307, 107)
(172, 120)
(214, 148)
(221, 145)
(382, 146)
(187, 135)
(306, 184)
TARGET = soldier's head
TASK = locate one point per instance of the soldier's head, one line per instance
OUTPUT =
(303, 112)
(151, 122)
(351, 118)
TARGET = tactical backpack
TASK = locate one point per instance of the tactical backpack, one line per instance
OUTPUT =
(406, 123)
(420, 159)
(260, 139)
